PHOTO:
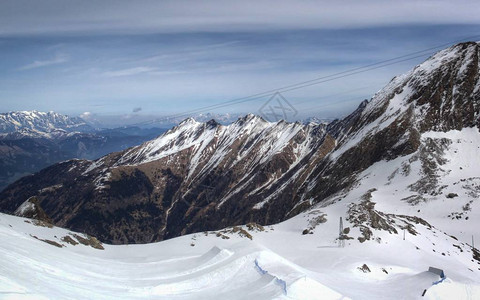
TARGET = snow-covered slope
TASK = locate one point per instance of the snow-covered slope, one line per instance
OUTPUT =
(248, 262)
(440, 182)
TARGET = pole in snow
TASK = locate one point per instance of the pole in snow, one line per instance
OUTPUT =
(341, 241)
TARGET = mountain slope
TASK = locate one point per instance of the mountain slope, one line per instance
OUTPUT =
(205, 176)
(171, 178)
(441, 94)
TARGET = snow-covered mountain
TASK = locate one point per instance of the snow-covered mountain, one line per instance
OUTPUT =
(41, 122)
(396, 182)
(406, 142)
(41, 139)
(222, 118)
(191, 165)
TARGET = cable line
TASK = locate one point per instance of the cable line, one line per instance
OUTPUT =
(310, 82)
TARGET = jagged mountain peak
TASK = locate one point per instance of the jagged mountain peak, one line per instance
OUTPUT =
(188, 121)
(192, 124)
(442, 86)
(191, 134)
(250, 118)
(440, 94)
(246, 122)
(212, 123)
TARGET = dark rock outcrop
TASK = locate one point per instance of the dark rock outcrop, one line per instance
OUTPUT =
(31, 209)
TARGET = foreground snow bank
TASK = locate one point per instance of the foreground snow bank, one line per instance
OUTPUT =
(34, 269)
(279, 262)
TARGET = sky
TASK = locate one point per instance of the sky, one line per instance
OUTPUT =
(138, 59)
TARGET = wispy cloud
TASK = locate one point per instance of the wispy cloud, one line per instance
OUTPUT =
(58, 59)
(129, 72)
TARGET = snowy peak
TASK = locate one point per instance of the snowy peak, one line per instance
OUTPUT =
(198, 136)
(185, 135)
(444, 91)
(187, 121)
(441, 94)
(251, 119)
(459, 58)
(40, 121)
(439, 97)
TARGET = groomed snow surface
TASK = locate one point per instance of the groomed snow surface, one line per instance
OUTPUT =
(278, 263)
(175, 269)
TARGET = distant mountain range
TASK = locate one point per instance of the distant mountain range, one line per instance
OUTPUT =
(41, 122)
(146, 121)
(32, 140)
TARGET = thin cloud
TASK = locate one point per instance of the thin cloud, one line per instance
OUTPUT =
(86, 115)
(58, 59)
(129, 72)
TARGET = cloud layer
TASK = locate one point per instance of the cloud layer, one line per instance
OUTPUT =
(30, 17)
(172, 56)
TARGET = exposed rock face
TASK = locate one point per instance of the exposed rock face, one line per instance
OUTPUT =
(364, 216)
(31, 209)
(205, 176)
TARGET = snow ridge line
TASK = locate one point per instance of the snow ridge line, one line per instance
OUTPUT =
(278, 281)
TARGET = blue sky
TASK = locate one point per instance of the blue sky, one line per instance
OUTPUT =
(165, 57)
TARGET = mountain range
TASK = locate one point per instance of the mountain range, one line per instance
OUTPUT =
(32, 140)
(206, 176)
(41, 122)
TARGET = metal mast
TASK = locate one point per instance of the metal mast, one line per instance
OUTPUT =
(341, 241)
